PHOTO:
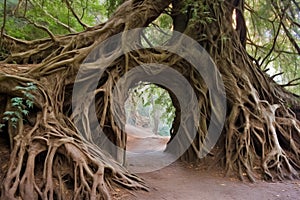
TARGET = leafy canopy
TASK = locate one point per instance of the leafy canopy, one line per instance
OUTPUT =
(273, 27)
(274, 38)
(154, 103)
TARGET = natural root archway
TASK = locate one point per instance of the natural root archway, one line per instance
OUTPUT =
(68, 162)
(261, 136)
(49, 158)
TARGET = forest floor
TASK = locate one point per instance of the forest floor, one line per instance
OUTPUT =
(185, 182)
(181, 181)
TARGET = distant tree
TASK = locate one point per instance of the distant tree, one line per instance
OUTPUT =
(155, 101)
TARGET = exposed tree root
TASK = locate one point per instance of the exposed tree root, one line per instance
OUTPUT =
(261, 136)
(68, 163)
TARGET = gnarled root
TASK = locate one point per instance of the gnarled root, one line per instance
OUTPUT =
(50, 164)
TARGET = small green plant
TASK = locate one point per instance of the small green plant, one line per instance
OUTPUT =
(19, 105)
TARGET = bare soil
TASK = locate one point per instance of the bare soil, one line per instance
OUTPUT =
(4, 156)
(180, 180)
(186, 182)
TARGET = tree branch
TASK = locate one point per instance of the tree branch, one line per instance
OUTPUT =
(292, 40)
(4, 20)
(273, 45)
(75, 15)
(52, 36)
(292, 83)
(70, 29)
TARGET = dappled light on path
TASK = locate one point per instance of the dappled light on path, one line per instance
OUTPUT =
(145, 150)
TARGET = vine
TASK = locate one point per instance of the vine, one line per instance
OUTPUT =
(20, 106)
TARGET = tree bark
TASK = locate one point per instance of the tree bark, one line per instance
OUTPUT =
(261, 136)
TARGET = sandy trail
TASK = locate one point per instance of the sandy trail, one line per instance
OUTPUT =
(184, 182)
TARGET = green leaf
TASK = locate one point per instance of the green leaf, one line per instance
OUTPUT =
(25, 112)
(9, 113)
(14, 119)
(148, 103)
(19, 88)
(15, 104)
(29, 103)
(17, 100)
(33, 87)
(29, 96)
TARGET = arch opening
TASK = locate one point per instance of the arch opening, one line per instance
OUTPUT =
(149, 117)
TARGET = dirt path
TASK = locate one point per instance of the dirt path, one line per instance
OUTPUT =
(180, 181)
(141, 140)
(184, 182)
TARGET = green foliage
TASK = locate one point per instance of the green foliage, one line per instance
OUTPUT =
(159, 32)
(200, 11)
(112, 5)
(53, 15)
(150, 98)
(271, 25)
(20, 105)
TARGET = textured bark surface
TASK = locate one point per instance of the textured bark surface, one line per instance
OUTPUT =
(261, 136)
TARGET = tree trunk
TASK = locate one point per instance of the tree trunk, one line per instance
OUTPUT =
(260, 137)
